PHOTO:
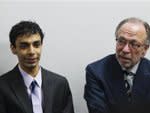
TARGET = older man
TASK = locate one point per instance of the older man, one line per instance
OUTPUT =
(120, 83)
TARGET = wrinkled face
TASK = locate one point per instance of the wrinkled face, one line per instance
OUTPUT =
(130, 46)
(28, 51)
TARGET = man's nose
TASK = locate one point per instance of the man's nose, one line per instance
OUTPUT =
(31, 49)
(126, 48)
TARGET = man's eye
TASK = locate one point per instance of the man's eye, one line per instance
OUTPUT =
(37, 44)
(121, 41)
(23, 46)
(136, 45)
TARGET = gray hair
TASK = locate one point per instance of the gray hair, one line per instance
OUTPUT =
(135, 20)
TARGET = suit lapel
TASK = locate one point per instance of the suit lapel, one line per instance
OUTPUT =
(142, 80)
(47, 87)
(20, 91)
(116, 81)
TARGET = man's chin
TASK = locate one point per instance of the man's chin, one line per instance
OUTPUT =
(31, 65)
(126, 66)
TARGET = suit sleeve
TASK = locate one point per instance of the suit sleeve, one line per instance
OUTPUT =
(2, 102)
(94, 93)
(68, 102)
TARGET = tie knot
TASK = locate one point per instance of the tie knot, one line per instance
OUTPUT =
(127, 73)
(33, 85)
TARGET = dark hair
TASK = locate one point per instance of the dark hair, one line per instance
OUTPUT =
(135, 20)
(24, 28)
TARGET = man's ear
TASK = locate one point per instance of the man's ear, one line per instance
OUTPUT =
(13, 49)
(147, 47)
(145, 50)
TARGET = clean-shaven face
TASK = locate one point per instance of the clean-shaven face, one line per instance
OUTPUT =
(28, 50)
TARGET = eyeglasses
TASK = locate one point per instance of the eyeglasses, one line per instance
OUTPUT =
(132, 44)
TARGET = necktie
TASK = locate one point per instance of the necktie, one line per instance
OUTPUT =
(128, 79)
(35, 98)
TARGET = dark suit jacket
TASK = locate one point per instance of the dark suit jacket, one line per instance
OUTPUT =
(105, 91)
(14, 98)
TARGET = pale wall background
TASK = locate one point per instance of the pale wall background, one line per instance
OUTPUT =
(77, 32)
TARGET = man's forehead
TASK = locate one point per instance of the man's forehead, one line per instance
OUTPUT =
(133, 29)
(29, 39)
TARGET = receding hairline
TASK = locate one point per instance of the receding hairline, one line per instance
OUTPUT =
(129, 20)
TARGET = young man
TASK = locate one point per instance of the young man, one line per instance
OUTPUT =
(120, 83)
(29, 88)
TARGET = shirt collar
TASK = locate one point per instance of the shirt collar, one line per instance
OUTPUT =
(133, 69)
(28, 78)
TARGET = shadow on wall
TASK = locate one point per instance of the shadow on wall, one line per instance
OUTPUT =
(7, 59)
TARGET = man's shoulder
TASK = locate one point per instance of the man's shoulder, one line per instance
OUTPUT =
(104, 61)
(8, 74)
(6, 79)
(103, 65)
(52, 75)
(145, 65)
(146, 61)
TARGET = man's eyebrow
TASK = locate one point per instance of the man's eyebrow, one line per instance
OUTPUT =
(24, 43)
(37, 41)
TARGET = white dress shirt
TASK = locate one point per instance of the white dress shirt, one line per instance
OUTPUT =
(28, 80)
(129, 78)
